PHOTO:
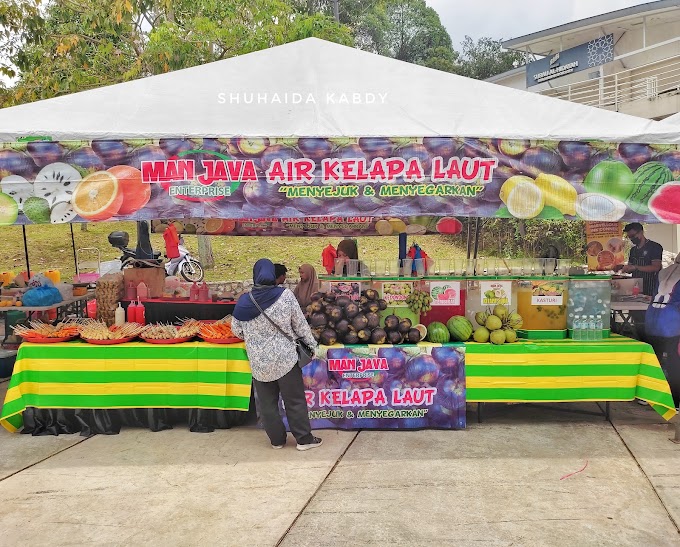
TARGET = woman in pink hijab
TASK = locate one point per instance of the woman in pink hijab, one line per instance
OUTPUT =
(308, 285)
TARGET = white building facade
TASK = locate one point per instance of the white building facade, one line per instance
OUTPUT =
(626, 61)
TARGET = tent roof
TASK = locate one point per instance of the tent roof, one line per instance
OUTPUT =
(210, 101)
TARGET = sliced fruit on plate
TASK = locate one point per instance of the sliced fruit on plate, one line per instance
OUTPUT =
(98, 196)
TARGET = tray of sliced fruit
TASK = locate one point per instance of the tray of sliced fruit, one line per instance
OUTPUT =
(96, 332)
(160, 333)
(45, 333)
(218, 332)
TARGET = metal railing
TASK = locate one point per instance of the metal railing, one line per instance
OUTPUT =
(646, 82)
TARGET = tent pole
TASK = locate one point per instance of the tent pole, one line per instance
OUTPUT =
(402, 245)
(28, 266)
(476, 237)
(468, 238)
(73, 246)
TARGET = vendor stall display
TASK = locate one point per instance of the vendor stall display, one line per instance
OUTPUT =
(590, 295)
(396, 166)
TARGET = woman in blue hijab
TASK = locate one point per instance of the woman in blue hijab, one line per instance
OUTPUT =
(273, 355)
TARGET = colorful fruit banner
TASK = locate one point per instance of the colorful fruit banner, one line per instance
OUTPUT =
(365, 185)
(386, 387)
(605, 247)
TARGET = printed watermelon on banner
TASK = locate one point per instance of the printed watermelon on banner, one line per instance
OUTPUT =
(448, 294)
(438, 290)
(648, 179)
(665, 203)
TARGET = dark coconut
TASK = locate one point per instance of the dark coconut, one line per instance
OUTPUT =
(413, 336)
(351, 310)
(318, 320)
(372, 306)
(329, 297)
(309, 309)
(382, 304)
(378, 336)
(342, 326)
(364, 335)
(316, 296)
(328, 337)
(316, 306)
(334, 313)
(360, 322)
(316, 333)
(350, 338)
(342, 301)
(373, 320)
(363, 301)
(394, 337)
(391, 322)
(331, 325)
(405, 325)
(371, 294)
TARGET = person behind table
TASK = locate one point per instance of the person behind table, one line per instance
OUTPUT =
(551, 252)
(308, 285)
(280, 271)
(644, 260)
(347, 250)
(273, 356)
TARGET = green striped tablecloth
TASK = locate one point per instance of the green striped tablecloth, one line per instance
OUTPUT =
(133, 375)
(613, 369)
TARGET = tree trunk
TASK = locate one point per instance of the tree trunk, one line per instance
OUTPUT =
(83, 227)
(205, 253)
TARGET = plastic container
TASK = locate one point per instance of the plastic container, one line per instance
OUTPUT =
(91, 308)
(448, 298)
(542, 303)
(53, 275)
(204, 292)
(590, 295)
(132, 312)
(484, 292)
(142, 291)
(119, 316)
(194, 292)
(130, 291)
(140, 314)
(407, 267)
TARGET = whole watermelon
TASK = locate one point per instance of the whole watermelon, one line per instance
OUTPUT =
(459, 328)
(649, 177)
(437, 333)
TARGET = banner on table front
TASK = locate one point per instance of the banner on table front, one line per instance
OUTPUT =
(604, 245)
(329, 186)
(386, 387)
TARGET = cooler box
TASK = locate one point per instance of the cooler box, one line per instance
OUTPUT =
(7, 359)
(590, 295)
(448, 298)
(484, 292)
(542, 303)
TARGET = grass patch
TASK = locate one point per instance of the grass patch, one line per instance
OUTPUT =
(50, 247)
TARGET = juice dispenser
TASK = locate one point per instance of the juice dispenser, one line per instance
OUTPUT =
(395, 291)
(590, 295)
(484, 292)
(542, 303)
(448, 298)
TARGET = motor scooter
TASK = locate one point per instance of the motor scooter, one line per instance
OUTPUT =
(131, 257)
(185, 265)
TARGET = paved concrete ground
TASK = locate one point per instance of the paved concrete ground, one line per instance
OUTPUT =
(502, 482)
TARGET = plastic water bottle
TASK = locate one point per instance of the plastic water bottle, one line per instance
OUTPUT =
(599, 325)
(591, 327)
(577, 328)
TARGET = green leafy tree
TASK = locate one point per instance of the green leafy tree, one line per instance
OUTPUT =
(84, 44)
(20, 23)
(486, 58)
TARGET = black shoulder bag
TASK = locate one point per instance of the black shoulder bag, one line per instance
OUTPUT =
(304, 352)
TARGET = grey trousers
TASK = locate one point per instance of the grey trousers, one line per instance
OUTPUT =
(292, 391)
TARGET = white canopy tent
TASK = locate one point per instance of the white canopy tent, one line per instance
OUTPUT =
(318, 88)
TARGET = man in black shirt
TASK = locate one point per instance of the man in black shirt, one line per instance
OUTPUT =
(280, 272)
(644, 260)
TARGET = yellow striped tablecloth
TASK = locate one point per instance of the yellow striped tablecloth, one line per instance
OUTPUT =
(613, 369)
(134, 375)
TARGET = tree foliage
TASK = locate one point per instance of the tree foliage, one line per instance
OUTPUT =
(486, 58)
(84, 44)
